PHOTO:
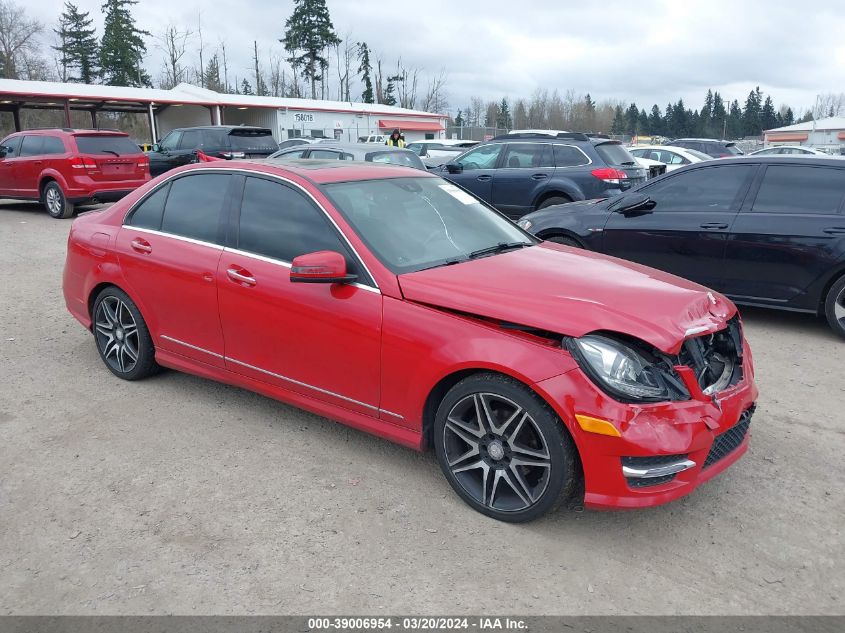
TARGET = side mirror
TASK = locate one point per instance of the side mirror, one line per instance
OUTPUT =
(156, 147)
(4, 150)
(454, 168)
(635, 204)
(322, 267)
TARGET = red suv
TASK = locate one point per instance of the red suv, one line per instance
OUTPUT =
(396, 302)
(64, 167)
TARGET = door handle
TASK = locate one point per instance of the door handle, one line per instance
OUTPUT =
(539, 177)
(141, 246)
(714, 225)
(835, 230)
(241, 276)
(485, 178)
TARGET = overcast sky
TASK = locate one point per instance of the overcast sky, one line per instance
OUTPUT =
(647, 51)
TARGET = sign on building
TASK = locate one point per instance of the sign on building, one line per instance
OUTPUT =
(303, 117)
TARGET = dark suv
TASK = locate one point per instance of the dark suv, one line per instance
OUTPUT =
(710, 146)
(180, 146)
(519, 173)
(765, 230)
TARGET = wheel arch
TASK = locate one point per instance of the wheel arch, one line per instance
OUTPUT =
(48, 176)
(558, 192)
(552, 232)
(837, 274)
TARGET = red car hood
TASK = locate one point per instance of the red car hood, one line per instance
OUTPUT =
(573, 292)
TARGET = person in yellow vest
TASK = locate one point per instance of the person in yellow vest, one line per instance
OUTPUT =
(395, 139)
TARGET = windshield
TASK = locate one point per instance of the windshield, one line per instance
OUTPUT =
(415, 223)
(102, 144)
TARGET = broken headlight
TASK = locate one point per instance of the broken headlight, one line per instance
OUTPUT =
(626, 372)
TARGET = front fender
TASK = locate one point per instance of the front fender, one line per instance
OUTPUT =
(441, 343)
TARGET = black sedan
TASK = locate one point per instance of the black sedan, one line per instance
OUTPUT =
(766, 231)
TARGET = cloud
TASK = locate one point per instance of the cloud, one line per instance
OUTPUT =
(649, 51)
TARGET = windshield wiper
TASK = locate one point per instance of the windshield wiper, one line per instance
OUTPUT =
(109, 151)
(501, 247)
(448, 262)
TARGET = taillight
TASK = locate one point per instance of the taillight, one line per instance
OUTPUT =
(82, 162)
(609, 174)
(144, 162)
(231, 155)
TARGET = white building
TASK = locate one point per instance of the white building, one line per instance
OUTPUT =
(827, 134)
(187, 105)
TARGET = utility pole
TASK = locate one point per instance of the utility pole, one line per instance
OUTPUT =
(258, 90)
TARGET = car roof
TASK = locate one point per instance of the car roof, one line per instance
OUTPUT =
(783, 159)
(704, 140)
(319, 171)
(251, 128)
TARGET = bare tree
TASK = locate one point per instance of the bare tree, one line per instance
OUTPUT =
(345, 57)
(277, 78)
(829, 104)
(18, 42)
(435, 99)
(225, 66)
(173, 43)
(405, 80)
(378, 80)
(202, 64)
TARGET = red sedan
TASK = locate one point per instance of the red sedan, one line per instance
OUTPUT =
(396, 303)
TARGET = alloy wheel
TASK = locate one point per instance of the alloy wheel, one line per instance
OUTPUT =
(117, 334)
(54, 201)
(839, 308)
(496, 452)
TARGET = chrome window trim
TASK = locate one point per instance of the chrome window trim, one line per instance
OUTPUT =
(285, 378)
(243, 170)
(286, 264)
(583, 153)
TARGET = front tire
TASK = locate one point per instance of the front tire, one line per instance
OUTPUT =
(565, 240)
(122, 337)
(503, 450)
(55, 201)
(834, 307)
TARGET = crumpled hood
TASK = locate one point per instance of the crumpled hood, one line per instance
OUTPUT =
(573, 292)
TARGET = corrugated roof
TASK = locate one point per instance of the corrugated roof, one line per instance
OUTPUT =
(829, 123)
(188, 94)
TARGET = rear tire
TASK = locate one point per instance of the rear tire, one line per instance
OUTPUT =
(550, 202)
(503, 449)
(834, 307)
(122, 337)
(55, 201)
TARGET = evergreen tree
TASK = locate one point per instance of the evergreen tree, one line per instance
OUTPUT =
(681, 119)
(365, 69)
(246, 88)
(308, 32)
(211, 75)
(734, 125)
(503, 120)
(751, 114)
(620, 123)
(389, 97)
(78, 50)
(768, 118)
(705, 117)
(632, 117)
(788, 117)
(655, 121)
(719, 116)
(459, 120)
(589, 112)
(669, 122)
(122, 47)
(642, 123)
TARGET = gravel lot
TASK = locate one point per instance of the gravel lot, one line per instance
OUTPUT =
(179, 495)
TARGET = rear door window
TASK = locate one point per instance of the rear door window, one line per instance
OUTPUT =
(614, 154)
(101, 144)
(52, 145)
(528, 155)
(194, 205)
(31, 146)
(800, 189)
(569, 156)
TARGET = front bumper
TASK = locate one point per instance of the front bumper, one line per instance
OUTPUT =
(711, 434)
